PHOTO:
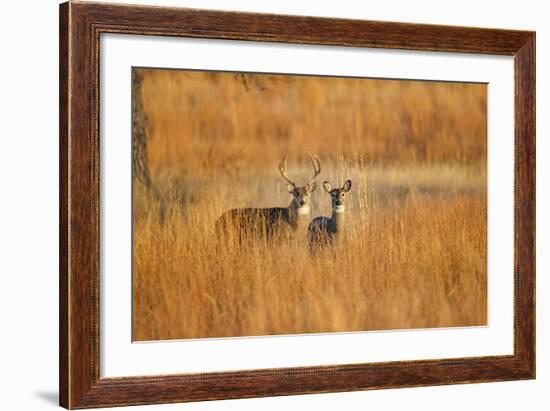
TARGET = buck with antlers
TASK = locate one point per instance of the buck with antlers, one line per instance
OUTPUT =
(271, 221)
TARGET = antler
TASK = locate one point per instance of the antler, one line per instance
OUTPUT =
(282, 170)
(316, 166)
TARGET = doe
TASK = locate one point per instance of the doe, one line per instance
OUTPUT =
(323, 230)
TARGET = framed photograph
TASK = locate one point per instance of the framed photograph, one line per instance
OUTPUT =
(258, 205)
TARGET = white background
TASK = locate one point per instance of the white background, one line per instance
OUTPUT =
(29, 217)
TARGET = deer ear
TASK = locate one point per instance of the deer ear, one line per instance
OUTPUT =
(311, 187)
(290, 188)
(327, 186)
(347, 186)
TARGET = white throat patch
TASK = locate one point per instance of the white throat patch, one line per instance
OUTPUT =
(339, 209)
(303, 210)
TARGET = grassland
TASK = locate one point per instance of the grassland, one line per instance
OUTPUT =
(415, 253)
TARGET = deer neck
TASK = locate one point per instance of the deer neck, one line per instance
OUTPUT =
(337, 220)
(297, 215)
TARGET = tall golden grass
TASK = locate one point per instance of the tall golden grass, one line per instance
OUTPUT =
(415, 249)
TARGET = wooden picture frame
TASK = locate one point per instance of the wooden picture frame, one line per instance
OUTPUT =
(80, 27)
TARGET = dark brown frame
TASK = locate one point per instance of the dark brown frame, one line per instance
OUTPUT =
(80, 27)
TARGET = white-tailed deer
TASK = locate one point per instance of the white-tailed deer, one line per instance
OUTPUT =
(270, 221)
(323, 230)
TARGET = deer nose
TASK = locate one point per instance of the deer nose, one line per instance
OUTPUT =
(338, 202)
(302, 203)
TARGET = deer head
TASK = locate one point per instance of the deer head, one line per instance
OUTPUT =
(301, 195)
(337, 195)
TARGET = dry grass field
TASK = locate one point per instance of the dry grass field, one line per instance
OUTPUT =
(415, 249)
